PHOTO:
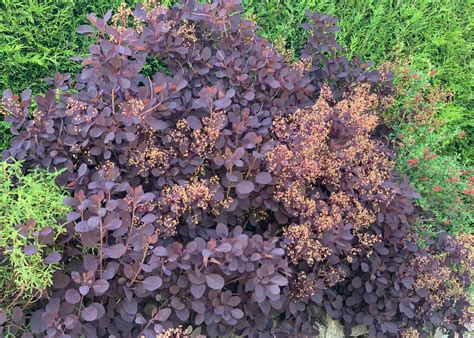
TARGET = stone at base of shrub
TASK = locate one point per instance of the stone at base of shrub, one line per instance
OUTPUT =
(330, 328)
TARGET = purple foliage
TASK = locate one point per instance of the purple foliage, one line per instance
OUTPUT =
(180, 214)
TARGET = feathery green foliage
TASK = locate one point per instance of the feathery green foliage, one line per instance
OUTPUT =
(280, 20)
(30, 207)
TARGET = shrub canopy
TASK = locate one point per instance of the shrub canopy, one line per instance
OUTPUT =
(230, 190)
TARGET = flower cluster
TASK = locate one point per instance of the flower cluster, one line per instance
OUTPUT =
(302, 287)
(304, 244)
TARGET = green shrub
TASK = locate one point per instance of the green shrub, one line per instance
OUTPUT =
(4, 135)
(280, 20)
(30, 206)
(446, 188)
(422, 138)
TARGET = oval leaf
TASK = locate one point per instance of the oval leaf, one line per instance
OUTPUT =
(52, 258)
(100, 286)
(215, 281)
(115, 251)
(152, 283)
(72, 296)
(263, 178)
(245, 187)
(163, 314)
(89, 313)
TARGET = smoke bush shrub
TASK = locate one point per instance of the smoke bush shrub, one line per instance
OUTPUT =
(234, 192)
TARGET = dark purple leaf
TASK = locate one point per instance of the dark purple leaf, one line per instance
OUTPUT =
(96, 132)
(160, 251)
(114, 224)
(408, 282)
(390, 327)
(279, 280)
(72, 216)
(233, 301)
(163, 314)
(52, 258)
(221, 230)
(263, 178)
(356, 282)
(107, 15)
(30, 249)
(381, 249)
(83, 29)
(70, 321)
(82, 170)
(84, 290)
(222, 103)
(72, 296)
(250, 95)
(237, 313)
(224, 247)
(181, 84)
(100, 286)
(406, 310)
(259, 291)
(245, 187)
(148, 218)
(115, 251)
(206, 53)
(89, 313)
(90, 262)
(215, 281)
(18, 315)
(152, 283)
(158, 125)
(124, 82)
(198, 290)
(182, 314)
(85, 226)
(220, 55)
(275, 84)
(194, 122)
(130, 306)
(38, 325)
(273, 289)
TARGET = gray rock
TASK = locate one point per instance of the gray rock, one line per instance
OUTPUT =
(329, 328)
